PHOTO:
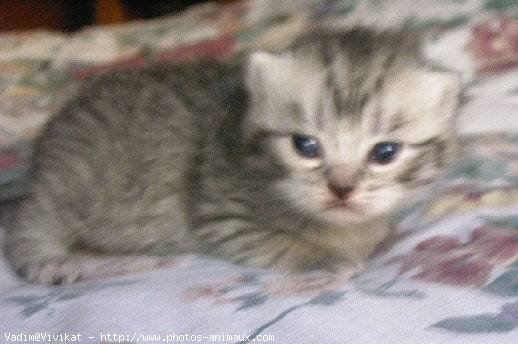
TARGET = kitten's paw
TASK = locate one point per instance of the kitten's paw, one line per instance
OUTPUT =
(314, 281)
(116, 266)
(55, 271)
(310, 283)
(65, 270)
(307, 284)
(348, 271)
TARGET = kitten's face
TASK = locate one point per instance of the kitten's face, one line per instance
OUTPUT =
(354, 141)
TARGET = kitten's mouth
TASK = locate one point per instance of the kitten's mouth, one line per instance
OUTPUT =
(342, 205)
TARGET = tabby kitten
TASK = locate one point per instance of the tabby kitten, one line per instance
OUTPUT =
(292, 161)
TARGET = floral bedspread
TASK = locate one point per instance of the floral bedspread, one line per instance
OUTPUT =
(451, 277)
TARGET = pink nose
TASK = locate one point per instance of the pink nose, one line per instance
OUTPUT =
(341, 191)
(341, 179)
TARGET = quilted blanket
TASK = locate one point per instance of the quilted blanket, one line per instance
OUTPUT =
(452, 275)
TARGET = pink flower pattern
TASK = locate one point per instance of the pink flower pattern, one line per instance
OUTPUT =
(494, 44)
(447, 260)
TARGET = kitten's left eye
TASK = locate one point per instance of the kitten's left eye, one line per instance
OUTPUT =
(384, 152)
(306, 146)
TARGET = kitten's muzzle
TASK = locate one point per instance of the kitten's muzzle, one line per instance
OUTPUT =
(342, 205)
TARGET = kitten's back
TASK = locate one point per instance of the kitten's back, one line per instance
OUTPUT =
(110, 167)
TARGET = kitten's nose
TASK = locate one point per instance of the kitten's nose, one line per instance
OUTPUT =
(341, 191)
(340, 180)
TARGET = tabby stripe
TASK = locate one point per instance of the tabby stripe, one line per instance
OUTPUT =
(408, 174)
(429, 142)
(203, 220)
(230, 237)
(255, 243)
(334, 90)
(250, 250)
(420, 182)
(243, 259)
(397, 123)
(275, 259)
(440, 149)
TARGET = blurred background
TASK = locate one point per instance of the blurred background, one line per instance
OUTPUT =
(71, 15)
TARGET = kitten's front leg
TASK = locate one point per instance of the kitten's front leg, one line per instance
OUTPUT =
(288, 253)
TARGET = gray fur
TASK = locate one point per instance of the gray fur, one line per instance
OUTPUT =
(198, 158)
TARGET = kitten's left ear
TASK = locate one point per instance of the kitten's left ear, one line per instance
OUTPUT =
(442, 91)
(428, 99)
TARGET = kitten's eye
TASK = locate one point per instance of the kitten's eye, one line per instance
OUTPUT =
(384, 152)
(306, 146)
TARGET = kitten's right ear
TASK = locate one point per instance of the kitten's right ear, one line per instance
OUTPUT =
(257, 64)
(257, 69)
(267, 79)
(266, 73)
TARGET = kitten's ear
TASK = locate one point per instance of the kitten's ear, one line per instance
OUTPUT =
(444, 94)
(428, 100)
(266, 73)
(443, 91)
(258, 64)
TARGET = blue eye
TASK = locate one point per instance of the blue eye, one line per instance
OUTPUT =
(306, 146)
(384, 152)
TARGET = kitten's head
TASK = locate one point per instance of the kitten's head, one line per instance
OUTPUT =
(349, 124)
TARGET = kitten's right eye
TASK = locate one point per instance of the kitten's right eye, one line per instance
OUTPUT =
(307, 146)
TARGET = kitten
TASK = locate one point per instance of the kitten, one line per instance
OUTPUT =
(293, 161)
